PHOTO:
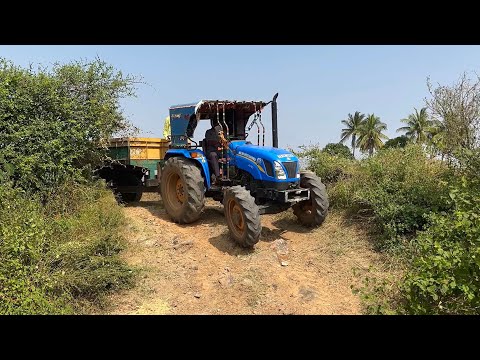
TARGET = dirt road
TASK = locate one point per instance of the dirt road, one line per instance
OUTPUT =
(197, 269)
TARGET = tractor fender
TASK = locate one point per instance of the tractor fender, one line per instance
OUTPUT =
(199, 158)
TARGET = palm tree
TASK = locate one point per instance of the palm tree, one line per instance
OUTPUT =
(370, 134)
(418, 126)
(436, 131)
(352, 124)
(436, 137)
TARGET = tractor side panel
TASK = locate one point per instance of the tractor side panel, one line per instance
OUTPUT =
(252, 167)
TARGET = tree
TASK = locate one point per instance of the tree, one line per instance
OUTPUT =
(370, 134)
(338, 149)
(418, 126)
(54, 122)
(436, 139)
(457, 109)
(352, 124)
(397, 142)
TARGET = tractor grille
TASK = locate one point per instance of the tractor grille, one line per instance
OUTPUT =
(291, 167)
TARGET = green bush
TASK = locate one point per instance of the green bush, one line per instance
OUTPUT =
(60, 234)
(397, 142)
(54, 258)
(329, 167)
(397, 189)
(24, 275)
(338, 149)
(444, 277)
(53, 121)
(401, 187)
(442, 267)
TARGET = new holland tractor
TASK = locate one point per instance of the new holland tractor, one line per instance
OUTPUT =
(254, 180)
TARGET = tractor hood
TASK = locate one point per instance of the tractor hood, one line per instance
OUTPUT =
(246, 149)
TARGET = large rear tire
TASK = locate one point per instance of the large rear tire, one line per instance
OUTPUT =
(183, 190)
(243, 217)
(312, 212)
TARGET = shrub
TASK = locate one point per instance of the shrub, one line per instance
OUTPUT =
(60, 234)
(56, 257)
(329, 167)
(25, 281)
(397, 189)
(401, 187)
(338, 149)
(52, 122)
(442, 274)
(445, 274)
(397, 142)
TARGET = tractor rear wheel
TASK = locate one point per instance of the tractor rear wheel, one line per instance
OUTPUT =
(182, 190)
(312, 212)
(243, 217)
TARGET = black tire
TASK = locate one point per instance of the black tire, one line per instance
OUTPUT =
(312, 212)
(243, 216)
(182, 189)
(130, 180)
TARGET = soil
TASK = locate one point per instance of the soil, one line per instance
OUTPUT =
(198, 269)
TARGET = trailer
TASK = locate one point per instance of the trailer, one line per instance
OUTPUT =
(134, 166)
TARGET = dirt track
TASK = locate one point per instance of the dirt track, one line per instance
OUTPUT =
(197, 269)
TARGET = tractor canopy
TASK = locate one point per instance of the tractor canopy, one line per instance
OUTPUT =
(231, 115)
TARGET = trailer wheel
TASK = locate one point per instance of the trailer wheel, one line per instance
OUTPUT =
(243, 217)
(312, 212)
(182, 189)
(130, 180)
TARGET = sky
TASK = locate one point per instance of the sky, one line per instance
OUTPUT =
(318, 85)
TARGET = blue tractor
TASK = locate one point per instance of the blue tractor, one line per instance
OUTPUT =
(254, 180)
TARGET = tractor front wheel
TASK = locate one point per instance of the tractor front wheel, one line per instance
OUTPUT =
(243, 217)
(183, 190)
(312, 212)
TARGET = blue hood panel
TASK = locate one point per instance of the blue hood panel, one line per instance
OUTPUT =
(264, 152)
(246, 156)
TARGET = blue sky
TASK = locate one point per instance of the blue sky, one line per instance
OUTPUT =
(318, 85)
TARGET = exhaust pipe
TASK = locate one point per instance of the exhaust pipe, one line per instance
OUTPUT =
(274, 122)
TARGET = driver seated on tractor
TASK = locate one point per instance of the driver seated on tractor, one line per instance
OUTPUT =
(213, 147)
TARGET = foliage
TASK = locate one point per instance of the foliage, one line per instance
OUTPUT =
(60, 234)
(425, 208)
(54, 258)
(399, 187)
(338, 149)
(456, 111)
(53, 121)
(370, 134)
(441, 264)
(445, 275)
(352, 127)
(397, 142)
(330, 168)
(418, 128)
(378, 291)
(395, 189)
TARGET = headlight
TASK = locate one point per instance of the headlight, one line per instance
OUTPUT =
(279, 172)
